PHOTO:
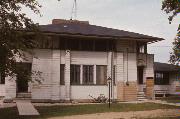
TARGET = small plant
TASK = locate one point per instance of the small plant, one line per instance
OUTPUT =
(100, 99)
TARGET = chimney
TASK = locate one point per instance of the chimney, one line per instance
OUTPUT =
(61, 21)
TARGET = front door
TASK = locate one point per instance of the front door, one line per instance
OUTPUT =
(23, 76)
(22, 85)
(140, 73)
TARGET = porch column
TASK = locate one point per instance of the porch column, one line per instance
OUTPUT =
(149, 74)
(67, 74)
(10, 87)
(55, 94)
(109, 71)
(120, 75)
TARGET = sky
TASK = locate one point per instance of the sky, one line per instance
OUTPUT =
(141, 16)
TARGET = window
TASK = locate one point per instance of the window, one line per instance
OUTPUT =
(45, 43)
(88, 74)
(101, 45)
(75, 74)
(55, 41)
(114, 74)
(161, 78)
(62, 74)
(73, 44)
(87, 45)
(2, 78)
(101, 75)
(142, 48)
(62, 44)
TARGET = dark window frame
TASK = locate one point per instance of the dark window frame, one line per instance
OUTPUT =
(88, 75)
(62, 74)
(75, 74)
(161, 78)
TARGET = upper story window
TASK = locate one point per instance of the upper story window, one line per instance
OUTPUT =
(161, 78)
(83, 44)
(141, 48)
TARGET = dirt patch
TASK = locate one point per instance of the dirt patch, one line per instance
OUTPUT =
(127, 115)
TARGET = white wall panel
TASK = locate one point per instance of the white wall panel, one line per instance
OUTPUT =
(2, 90)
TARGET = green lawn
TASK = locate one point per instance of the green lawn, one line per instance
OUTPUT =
(173, 99)
(51, 111)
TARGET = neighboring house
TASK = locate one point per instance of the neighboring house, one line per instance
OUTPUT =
(76, 59)
(167, 78)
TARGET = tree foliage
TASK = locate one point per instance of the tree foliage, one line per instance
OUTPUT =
(172, 7)
(14, 40)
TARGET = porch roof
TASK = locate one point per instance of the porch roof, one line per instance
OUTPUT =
(165, 67)
(86, 30)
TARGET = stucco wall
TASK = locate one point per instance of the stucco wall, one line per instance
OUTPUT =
(2, 90)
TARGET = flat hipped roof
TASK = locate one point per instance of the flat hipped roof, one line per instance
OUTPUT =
(78, 28)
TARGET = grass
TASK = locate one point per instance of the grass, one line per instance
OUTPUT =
(53, 111)
(172, 99)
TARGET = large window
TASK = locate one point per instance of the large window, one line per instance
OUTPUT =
(75, 74)
(101, 74)
(161, 78)
(87, 74)
(62, 74)
(2, 78)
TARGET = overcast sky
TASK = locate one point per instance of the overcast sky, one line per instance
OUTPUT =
(141, 16)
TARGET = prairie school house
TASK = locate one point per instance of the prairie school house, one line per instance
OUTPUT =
(76, 58)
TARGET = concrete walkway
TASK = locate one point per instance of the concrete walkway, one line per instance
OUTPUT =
(26, 108)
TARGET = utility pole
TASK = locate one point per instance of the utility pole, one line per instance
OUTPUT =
(74, 11)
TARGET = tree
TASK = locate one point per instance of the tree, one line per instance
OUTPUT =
(14, 38)
(172, 7)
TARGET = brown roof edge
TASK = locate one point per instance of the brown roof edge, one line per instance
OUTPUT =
(148, 40)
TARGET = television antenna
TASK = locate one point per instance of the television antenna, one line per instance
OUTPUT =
(74, 10)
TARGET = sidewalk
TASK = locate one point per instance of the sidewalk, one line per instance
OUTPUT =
(26, 108)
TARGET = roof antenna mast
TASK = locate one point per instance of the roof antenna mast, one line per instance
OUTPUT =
(74, 11)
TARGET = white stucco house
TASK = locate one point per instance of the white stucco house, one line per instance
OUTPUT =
(76, 59)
